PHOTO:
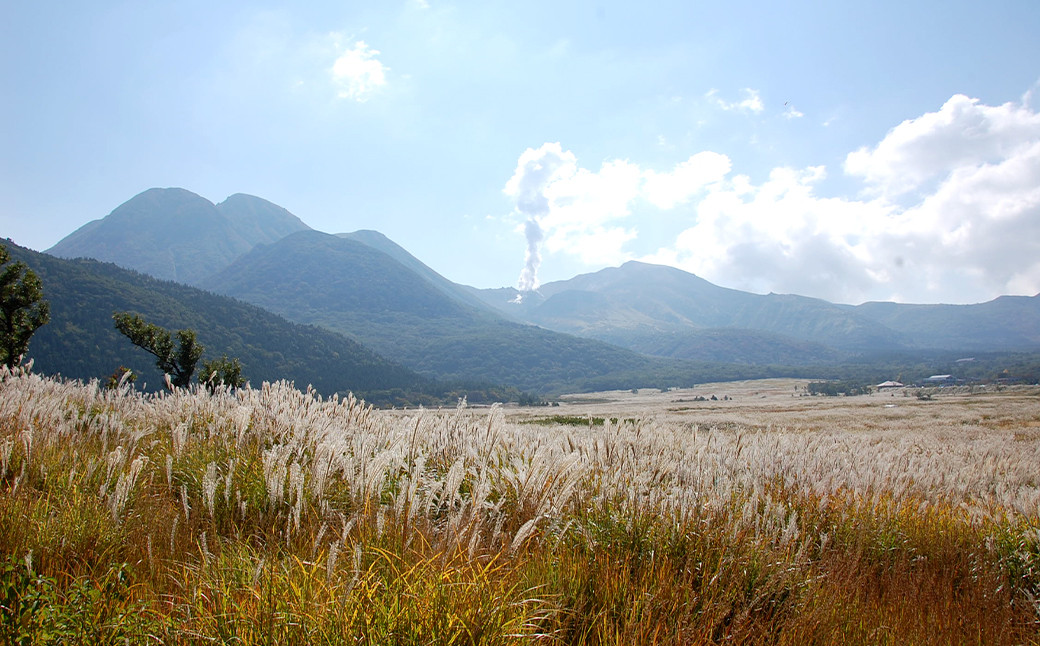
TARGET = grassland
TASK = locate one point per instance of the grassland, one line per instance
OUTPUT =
(270, 515)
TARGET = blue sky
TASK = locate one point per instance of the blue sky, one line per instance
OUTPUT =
(849, 151)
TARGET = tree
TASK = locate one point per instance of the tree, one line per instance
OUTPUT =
(22, 308)
(180, 363)
(122, 375)
(221, 372)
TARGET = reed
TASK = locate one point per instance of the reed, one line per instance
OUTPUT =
(271, 515)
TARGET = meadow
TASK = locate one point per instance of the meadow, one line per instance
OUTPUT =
(763, 516)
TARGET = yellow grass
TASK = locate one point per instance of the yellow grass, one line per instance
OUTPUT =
(274, 516)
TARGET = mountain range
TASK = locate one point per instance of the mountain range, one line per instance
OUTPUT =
(635, 324)
(666, 311)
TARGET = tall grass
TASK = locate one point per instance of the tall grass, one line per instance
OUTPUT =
(270, 515)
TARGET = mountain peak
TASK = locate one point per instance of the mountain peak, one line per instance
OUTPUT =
(259, 221)
(240, 205)
(160, 204)
(174, 234)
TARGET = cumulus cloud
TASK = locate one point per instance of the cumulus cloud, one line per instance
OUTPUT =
(751, 102)
(965, 229)
(667, 189)
(358, 72)
(963, 133)
(580, 212)
(780, 236)
(970, 232)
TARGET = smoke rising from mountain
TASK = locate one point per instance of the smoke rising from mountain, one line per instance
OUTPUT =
(533, 258)
(531, 188)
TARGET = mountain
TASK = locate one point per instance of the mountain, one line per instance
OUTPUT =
(728, 345)
(380, 242)
(174, 234)
(666, 311)
(411, 315)
(1005, 323)
(81, 341)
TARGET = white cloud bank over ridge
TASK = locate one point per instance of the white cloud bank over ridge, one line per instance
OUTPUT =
(950, 212)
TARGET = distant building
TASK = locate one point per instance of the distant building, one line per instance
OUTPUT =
(940, 379)
(888, 384)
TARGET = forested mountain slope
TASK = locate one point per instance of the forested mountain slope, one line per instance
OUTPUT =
(81, 341)
(356, 289)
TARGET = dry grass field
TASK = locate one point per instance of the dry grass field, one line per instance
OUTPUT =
(763, 516)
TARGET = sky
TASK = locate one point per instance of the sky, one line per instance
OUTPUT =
(846, 151)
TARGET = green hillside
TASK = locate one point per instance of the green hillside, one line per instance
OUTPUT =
(728, 345)
(350, 287)
(380, 242)
(81, 341)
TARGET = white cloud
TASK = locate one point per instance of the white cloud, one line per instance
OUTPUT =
(963, 133)
(595, 245)
(585, 210)
(677, 186)
(358, 72)
(579, 212)
(586, 198)
(269, 60)
(752, 102)
(972, 232)
(779, 236)
(536, 171)
(969, 232)
(979, 231)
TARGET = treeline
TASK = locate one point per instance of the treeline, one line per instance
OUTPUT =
(862, 375)
(991, 367)
(835, 388)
